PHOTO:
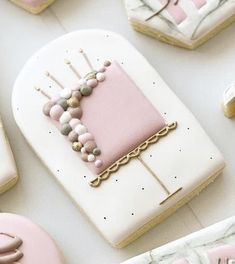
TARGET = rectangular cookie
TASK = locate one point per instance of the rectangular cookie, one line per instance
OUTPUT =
(117, 139)
(212, 245)
(8, 172)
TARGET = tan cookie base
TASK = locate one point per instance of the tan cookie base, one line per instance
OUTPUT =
(8, 185)
(229, 111)
(138, 26)
(34, 10)
(167, 213)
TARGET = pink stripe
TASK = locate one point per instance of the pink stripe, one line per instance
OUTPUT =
(199, 3)
(175, 11)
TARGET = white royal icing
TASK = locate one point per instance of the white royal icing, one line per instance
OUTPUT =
(131, 197)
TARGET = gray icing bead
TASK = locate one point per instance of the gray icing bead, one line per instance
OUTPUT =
(63, 103)
(77, 94)
(47, 108)
(91, 75)
(90, 145)
(85, 90)
(76, 112)
(96, 151)
(107, 63)
(84, 157)
(65, 129)
(73, 136)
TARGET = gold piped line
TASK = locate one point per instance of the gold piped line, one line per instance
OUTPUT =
(154, 175)
(171, 195)
(133, 154)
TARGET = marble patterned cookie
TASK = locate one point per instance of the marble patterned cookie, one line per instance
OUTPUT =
(212, 245)
(33, 6)
(8, 171)
(184, 23)
(23, 242)
(111, 134)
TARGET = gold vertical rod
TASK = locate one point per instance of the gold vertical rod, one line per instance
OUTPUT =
(54, 79)
(86, 59)
(154, 175)
(42, 92)
(72, 68)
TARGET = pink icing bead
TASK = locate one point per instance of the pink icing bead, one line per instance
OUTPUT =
(75, 87)
(92, 83)
(98, 163)
(73, 122)
(55, 98)
(103, 69)
(85, 137)
(56, 112)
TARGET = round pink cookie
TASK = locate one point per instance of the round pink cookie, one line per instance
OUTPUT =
(223, 252)
(23, 242)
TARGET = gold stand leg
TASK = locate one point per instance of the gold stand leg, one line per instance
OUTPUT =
(169, 194)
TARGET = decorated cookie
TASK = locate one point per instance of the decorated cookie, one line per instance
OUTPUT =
(23, 242)
(33, 6)
(229, 101)
(112, 134)
(212, 245)
(185, 23)
(8, 172)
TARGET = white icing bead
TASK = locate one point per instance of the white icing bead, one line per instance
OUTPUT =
(66, 93)
(82, 81)
(80, 129)
(83, 150)
(100, 76)
(65, 118)
(91, 157)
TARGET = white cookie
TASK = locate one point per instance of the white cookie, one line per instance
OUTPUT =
(131, 200)
(8, 172)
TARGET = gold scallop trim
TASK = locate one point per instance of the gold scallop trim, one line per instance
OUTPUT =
(133, 154)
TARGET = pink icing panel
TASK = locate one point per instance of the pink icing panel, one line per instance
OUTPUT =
(175, 11)
(119, 116)
(223, 252)
(199, 3)
(37, 247)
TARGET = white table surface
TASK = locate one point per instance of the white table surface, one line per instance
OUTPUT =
(197, 77)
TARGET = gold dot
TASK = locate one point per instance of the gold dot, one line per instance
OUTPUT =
(73, 102)
(77, 146)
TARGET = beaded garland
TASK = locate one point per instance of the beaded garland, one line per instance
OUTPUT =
(65, 109)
